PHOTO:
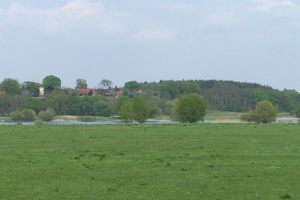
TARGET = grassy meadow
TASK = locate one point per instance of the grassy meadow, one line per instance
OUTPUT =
(158, 162)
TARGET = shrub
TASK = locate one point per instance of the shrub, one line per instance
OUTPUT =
(17, 116)
(24, 115)
(264, 112)
(29, 115)
(137, 109)
(39, 122)
(249, 117)
(47, 115)
(126, 111)
(189, 108)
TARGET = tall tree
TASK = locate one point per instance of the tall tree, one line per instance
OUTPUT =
(32, 88)
(265, 112)
(106, 84)
(10, 86)
(189, 108)
(51, 83)
(81, 84)
(126, 110)
(141, 109)
(131, 88)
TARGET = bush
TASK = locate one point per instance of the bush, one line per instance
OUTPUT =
(126, 111)
(29, 115)
(189, 108)
(39, 122)
(137, 109)
(24, 115)
(17, 116)
(264, 112)
(141, 109)
(47, 115)
(248, 117)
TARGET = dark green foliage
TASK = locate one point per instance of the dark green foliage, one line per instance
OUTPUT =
(81, 84)
(169, 89)
(189, 108)
(51, 83)
(24, 115)
(31, 88)
(47, 115)
(32, 103)
(10, 86)
(224, 95)
(106, 84)
(10, 103)
(131, 88)
(297, 110)
(76, 105)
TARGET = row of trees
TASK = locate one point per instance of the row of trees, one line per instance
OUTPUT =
(13, 87)
(50, 83)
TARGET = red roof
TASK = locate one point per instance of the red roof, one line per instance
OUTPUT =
(84, 91)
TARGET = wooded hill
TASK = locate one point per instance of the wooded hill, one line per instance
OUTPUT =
(224, 95)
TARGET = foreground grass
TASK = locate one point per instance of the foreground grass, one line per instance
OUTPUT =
(150, 162)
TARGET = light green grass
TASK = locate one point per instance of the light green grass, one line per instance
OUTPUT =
(161, 162)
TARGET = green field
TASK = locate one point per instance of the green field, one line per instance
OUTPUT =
(161, 162)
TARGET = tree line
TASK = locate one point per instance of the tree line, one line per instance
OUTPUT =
(155, 98)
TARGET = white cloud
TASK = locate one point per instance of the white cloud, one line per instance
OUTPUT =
(266, 5)
(154, 35)
(76, 14)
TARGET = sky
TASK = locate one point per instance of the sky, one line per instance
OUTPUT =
(243, 40)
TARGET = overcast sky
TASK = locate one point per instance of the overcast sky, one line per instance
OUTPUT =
(143, 40)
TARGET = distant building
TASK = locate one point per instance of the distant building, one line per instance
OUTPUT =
(41, 91)
(118, 93)
(85, 92)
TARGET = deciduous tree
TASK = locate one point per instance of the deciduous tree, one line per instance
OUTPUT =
(51, 83)
(10, 86)
(189, 108)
